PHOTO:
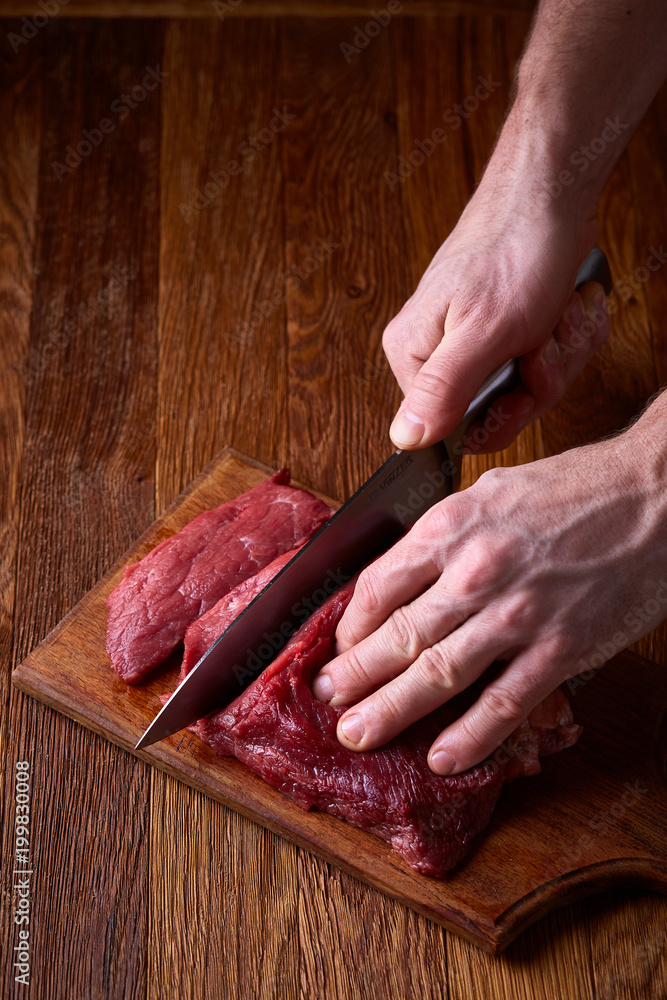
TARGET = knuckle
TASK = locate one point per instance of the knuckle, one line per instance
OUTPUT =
(402, 634)
(386, 706)
(354, 669)
(366, 594)
(391, 336)
(484, 567)
(500, 704)
(516, 615)
(477, 574)
(472, 734)
(495, 477)
(445, 518)
(430, 384)
(558, 648)
(437, 669)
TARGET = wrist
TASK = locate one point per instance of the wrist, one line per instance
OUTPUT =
(522, 178)
(646, 443)
(561, 174)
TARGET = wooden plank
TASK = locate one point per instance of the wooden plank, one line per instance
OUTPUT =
(542, 847)
(20, 96)
(222, 356)
(343, 229)
(87, 486)
(346, 280)
(227, 9)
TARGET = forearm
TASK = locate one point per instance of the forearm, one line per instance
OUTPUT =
(588, 63)
(647, 438)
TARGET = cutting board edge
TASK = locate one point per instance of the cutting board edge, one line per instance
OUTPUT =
(588, 880)
(492, 936)
(491, 932)
(453, 920)
(124, 560)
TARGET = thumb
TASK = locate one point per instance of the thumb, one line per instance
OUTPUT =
(438, 397)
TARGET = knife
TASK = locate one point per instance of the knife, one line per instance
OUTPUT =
(377, 515)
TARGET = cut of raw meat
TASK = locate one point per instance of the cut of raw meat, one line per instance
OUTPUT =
(185, 575)
(279, 730)
(201, 635)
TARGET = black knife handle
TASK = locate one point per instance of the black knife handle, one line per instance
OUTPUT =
(506, 379)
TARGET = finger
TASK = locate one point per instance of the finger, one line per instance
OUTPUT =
(439, 673)
(407, 346)
(503, 705)
(441, 391)
(550, 369)
(395, 579)
(501, 424)
(394, 646)
(546, 372)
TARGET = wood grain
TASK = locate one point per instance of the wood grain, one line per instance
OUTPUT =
(193, 870)
(20, 95)
(89, 413)
(341, 142)
(596, 817)
(221, 355)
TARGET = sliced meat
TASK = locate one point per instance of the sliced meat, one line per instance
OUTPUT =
(185, 575)
(279, 730)
(201, 635)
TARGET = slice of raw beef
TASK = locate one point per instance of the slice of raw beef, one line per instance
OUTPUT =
(279, 730)
(201, 635)
(185, 575)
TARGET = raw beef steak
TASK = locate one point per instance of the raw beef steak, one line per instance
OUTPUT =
(201, 635)
(187, 574)
(279, 730)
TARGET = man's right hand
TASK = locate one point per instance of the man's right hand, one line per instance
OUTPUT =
(500, 287)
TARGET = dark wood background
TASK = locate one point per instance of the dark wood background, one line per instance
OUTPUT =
(127, 363)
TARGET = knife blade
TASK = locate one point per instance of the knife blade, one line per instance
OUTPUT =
(377, 515)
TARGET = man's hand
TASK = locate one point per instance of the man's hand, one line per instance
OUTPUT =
(500, 287)
(551, 567)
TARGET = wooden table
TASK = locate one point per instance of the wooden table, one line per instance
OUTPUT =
(144, 327)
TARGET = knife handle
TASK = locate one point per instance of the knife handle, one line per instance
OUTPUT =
(506, 378)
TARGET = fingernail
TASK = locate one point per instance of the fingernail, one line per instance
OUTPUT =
(352, 727)
(441, 762)
(551, 353)
(406, 430)
(323, 689)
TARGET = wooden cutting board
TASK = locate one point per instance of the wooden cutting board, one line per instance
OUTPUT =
(595, 817)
